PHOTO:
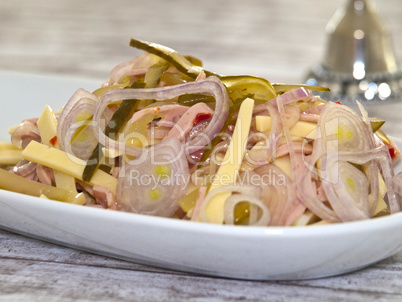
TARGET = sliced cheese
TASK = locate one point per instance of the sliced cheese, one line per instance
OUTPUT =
(284, 164)
(231, 163)
(10, 157)
(66, 163)
(381, 205)
(263, 123)
(12, 129)
(300, 129)
(12, 182)
(9, 154)
(304, 129)
(7, 146)
(47, 125)
(306, 218)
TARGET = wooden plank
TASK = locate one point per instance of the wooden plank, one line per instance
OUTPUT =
(14, 246)
(46, 280)
(54, 267)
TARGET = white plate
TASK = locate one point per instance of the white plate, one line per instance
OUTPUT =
(274, 253)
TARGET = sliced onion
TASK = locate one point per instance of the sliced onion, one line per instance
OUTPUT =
(255, 205)
(186, 122)
(292, 115)
(276, 128)
(341, 129)
(293, 96)
(307, 190)
(202, 191)
(25, 168)
(24, 133)
(210, 85)
(316, 110)
(296, 163)
(171, 113)
(285, 130)
(277, 193)
(157, 133)
(134, 67)
(347, 189)
(151, 124)
(397, 183)
(74, 116)
(260, 154)
(381, 156)
(373, 169)
(289, 97)
(45, 175)
(240, 193)
(309, 117)
(298, 147)
(153, 183)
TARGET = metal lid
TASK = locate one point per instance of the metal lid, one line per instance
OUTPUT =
(359, 62)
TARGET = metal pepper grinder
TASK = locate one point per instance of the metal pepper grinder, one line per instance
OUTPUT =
(359, 62)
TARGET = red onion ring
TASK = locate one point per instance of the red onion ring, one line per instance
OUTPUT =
(307, 189)
(210, 85)
(347, 189)
(285, 130)
(25, 169)
(293, 96)
(397, 183)
(136, 66)
(277, 193)
(75, 113)
(24, 133)
(336, 119)
(381, 156)
(246, 193)
(154, 183)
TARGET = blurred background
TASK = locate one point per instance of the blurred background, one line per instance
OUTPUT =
(279, 40)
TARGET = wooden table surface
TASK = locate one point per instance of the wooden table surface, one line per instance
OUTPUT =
(279, 40)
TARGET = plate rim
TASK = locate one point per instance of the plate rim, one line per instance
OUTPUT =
(373, 224)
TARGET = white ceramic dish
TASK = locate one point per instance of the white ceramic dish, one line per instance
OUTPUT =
(262, 253)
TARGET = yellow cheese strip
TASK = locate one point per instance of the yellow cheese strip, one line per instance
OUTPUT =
(300, 129)
(229, 169)
(47, 125)
(12, 129)
(12, 182)
(382, 190)
(263, 123)
(9, 154)
(7, 146)
(284, 164)
(306, 218)
(10, 157)
(67, 163)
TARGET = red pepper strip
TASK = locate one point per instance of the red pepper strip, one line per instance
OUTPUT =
(53, 141)
(201, 117)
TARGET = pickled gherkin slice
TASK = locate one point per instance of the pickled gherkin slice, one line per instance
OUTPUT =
(119, 118)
